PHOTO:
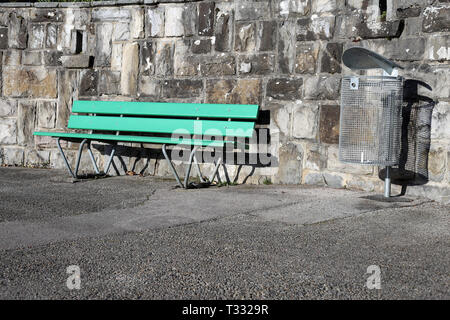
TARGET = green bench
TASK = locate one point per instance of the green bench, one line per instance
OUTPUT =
(156, 123)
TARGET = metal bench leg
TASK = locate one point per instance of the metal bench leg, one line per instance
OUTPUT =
(111, 156)
(188, 169)
(213, 175)
(171, 166)
(58, 143)
(91, 155)
(199, 172)
(80, 151)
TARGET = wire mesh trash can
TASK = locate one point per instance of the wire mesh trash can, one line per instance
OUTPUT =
(371, 113)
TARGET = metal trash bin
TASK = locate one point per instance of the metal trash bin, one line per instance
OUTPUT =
(371, 113)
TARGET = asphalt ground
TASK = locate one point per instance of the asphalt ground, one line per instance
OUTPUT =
(135, 237)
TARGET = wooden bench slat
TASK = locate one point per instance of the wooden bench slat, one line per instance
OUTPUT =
(163, 125)
(143, 139)
(169, 109)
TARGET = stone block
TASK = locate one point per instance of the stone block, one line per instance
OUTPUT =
(363, 183)
(314, 178)
(219, 66)
(88, 82)
(113, 14)
(155, 22)
(440, 122)
(329, 124)
(67, 91)
(223, 31)
(147, 56)
(284, 88)
(18, 31)
(306, 57)
(51, 36)
(436, 19)
(164, 64)
(346, 25)
(436, 76)
(103, 44)
(47, 15)
(137, 23)
(331, 58)
(257, 64)
(121, 31)
(245, 37)
(109, 82)
(116, 56)
(292, 8)
(280, 120)
(37, 158)
(242, 91)
(184, 63)
(13, 156)
(266, 39)
(130, 69)
(189, 18)
(409, 49)
(438, 48)
(206, 18)
(286, 47)
(37, 36)
(413, 27)
(12, 57)
(8, 131)
(333, 180)
(290, 164)
(149, 87)
(26, 118)
(52, 58)
(409, 12)
(252, 10)
(333, 164)
(185, 88)
(201, 46)
(33, 82)
(78, 61)
(7, 107)
(320, 6)
(174, 26)
(315, 156)
(315, 28)
(385, 29)
(322, 88)
(46, 114)
(3, 38)
(305, 121)
(437, 160)
(31, 58)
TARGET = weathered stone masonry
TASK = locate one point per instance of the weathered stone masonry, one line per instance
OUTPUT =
(284, 55)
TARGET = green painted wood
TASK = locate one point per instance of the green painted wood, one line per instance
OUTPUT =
(169, 109)
(163, 125)
(143, 139)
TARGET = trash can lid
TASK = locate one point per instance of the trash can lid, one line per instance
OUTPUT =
(361, 58)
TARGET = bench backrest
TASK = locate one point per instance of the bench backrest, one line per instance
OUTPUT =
(165, 117)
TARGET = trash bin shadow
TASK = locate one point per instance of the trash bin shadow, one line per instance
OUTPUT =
(417, 110)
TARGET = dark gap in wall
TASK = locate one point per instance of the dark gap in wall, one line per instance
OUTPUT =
(78, 42)
(382, 4)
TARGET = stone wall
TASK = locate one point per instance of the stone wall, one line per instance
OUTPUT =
(284, 55)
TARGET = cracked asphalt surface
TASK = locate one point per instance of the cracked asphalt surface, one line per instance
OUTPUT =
(140, 238)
